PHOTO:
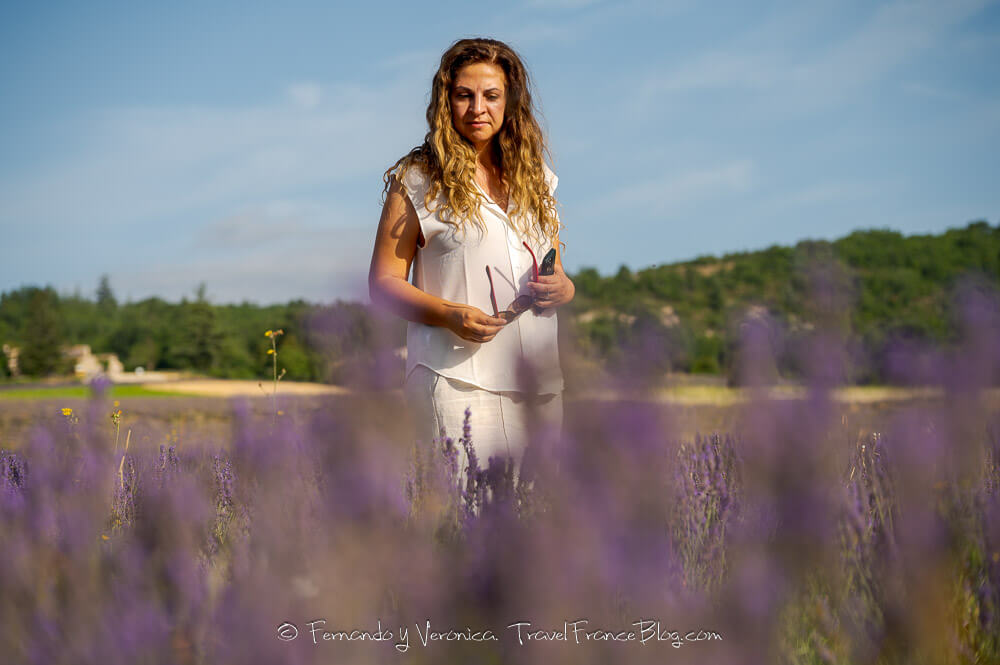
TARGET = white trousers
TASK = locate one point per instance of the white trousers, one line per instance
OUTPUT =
(501, 423)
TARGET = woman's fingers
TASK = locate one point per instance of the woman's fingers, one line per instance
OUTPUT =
(492, 323)
(489, 328)
(478, 326)
(489, 331)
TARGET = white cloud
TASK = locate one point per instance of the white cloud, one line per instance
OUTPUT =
(930, 91)
(306, 95)
(976, 43)
(560, 4)
(835, 192)
(895, 33)
(719, 69)
(578, 19)
(417, 64)
(762, 60)
(317, 264)
(671, 191)
(196, 193)
(272, 224)
(140, 166)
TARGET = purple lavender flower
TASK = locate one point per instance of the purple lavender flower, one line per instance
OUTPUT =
(224, 478)
(708, 486)
(125, 503)
(167, 465)
(13, 473)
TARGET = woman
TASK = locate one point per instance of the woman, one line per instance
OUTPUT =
(472, 209)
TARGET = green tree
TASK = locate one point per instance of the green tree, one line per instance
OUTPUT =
(198, 340)
(41, 354)
(294, 359)
(106, 302)
(143, 353)
(713, 294)
(588, 283)
(708, 353)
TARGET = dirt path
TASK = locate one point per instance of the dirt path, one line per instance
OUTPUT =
(725, 396)
(686, 395)
(232, 388)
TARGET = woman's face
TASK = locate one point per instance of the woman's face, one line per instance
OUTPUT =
(478, 99)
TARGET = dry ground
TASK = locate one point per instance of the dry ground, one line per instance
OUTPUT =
(232, 388)
(203, 409)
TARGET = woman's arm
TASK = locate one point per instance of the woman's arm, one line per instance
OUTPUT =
(395, 247)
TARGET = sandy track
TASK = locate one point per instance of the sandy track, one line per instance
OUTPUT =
(687, 395)
(725, 396)
(231, 388)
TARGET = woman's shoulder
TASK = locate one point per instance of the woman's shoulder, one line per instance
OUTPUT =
(551, 179)
(412, 173)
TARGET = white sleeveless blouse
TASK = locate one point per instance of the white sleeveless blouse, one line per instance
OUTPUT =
(452, 265)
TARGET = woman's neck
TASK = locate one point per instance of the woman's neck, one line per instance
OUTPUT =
(486, 159)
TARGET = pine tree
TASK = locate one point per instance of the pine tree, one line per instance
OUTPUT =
(41, 354)
(200, 343)
(106, 302)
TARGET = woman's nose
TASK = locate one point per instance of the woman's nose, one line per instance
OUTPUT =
(477, 104)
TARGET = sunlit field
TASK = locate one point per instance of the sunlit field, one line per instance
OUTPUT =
(805, 524)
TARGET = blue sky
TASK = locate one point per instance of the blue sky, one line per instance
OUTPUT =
(168, 144)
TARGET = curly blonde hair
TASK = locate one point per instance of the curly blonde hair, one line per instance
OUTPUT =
(448, 158)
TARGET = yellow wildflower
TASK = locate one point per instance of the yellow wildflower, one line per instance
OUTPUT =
(268, 333)
(270, 351)
(117, 403)
(104, 536)
(67, 411)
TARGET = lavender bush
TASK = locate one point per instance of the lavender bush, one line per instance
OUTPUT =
(793, 538)
(706, 504)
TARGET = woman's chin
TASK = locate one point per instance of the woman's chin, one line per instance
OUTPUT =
(475, 134)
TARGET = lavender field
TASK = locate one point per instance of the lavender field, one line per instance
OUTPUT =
(806, 530)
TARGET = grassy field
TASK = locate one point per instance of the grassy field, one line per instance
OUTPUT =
(206, 410)
(693, 393)
(31, 393)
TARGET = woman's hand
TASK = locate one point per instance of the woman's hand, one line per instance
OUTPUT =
(472, 323)
(552, 290)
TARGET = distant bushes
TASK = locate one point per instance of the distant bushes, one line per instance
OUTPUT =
(877, 289)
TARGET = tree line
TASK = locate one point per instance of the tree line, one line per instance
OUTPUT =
(874, 287)
(326, 343)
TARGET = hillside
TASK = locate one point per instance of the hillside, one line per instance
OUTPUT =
(871, 286)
